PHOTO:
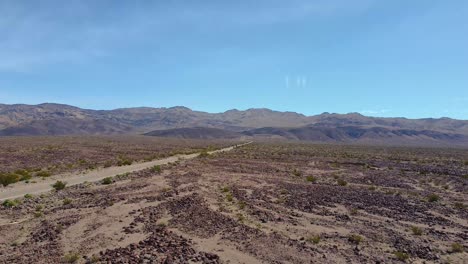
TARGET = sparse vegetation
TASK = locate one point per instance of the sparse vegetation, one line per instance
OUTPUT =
(107, 181)
(457, 248)
(342, 182)
(156, 169)
(8, 178)
(433, 198)
(10, 203)
(314, 239)
(311, 179)
(43, 174)
(401, 255)
(67, 201)
(59, 185)
(417, 231)
(71, 257)
(355, 239)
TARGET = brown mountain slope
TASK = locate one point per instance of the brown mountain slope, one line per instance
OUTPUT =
(195, 133)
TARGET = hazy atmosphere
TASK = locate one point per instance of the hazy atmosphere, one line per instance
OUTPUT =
(379, 58)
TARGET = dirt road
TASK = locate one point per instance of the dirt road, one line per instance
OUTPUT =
(41, 186)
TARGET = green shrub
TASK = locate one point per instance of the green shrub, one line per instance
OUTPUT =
(43, 174)
(229, 197)
(24, 175)
(124, 162)
(156, 169)
(242, 205)
(459, 205)
(401, 255)
(28, 196)
(59, 185)
(311, 179)
(417, 231)
(107, 180)
(457, 248)
(433, 198)
(71, 257)
(8, 178)
(67, 201)
(10, 203)
(225, 189)
(342, 182)
(356, 239)
(315, 239)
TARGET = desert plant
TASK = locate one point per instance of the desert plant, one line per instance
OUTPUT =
(59, 185)
(401, 255)
(242, 205)
(229, 197)
(8, 178)
(108, 164)
(417, 231)
(124, 162)
(311, 179)
(356, 239)
(156, 169)
(107, 180)
(459, 205)
(204, 154)
(342, 182)
(10, 203)
(457, 248)
(296, 173)
(67, 201)
(314, 239)
(24, 175)
(43, 174)
(433, 198)
(28, 196)
(71, 257)
(225, 189)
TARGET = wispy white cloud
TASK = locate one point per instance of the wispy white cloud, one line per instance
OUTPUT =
(34, 35)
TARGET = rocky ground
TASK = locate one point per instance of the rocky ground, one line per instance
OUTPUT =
(261, 203)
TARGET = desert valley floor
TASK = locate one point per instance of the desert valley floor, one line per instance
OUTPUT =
(259, 203)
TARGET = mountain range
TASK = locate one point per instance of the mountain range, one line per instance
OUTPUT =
(182, 122)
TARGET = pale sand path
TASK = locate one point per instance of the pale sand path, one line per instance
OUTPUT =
(41, 186)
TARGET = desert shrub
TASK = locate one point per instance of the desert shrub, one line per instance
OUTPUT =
(433, 198)
(108, 164)
(229, 197)
(38, 214)
(342, 182)
(156, 169)
(24, 175)
(311, 179)
(372, 188)
(401, 255)
(314, 239)
(356, 239)
(10, 203)
(8, 178)
(242, 205)
(107, 180)
(459, 205)
(59, 185)
(457, 248)
(43, 174)
(124, 162)
(28, 196)
(353, 211)
(204, 154)
(67, 201)
(417, 231)
(225, 189)
(296, 173)
(71, 257)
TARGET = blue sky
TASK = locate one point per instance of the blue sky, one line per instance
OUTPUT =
(376, 57)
